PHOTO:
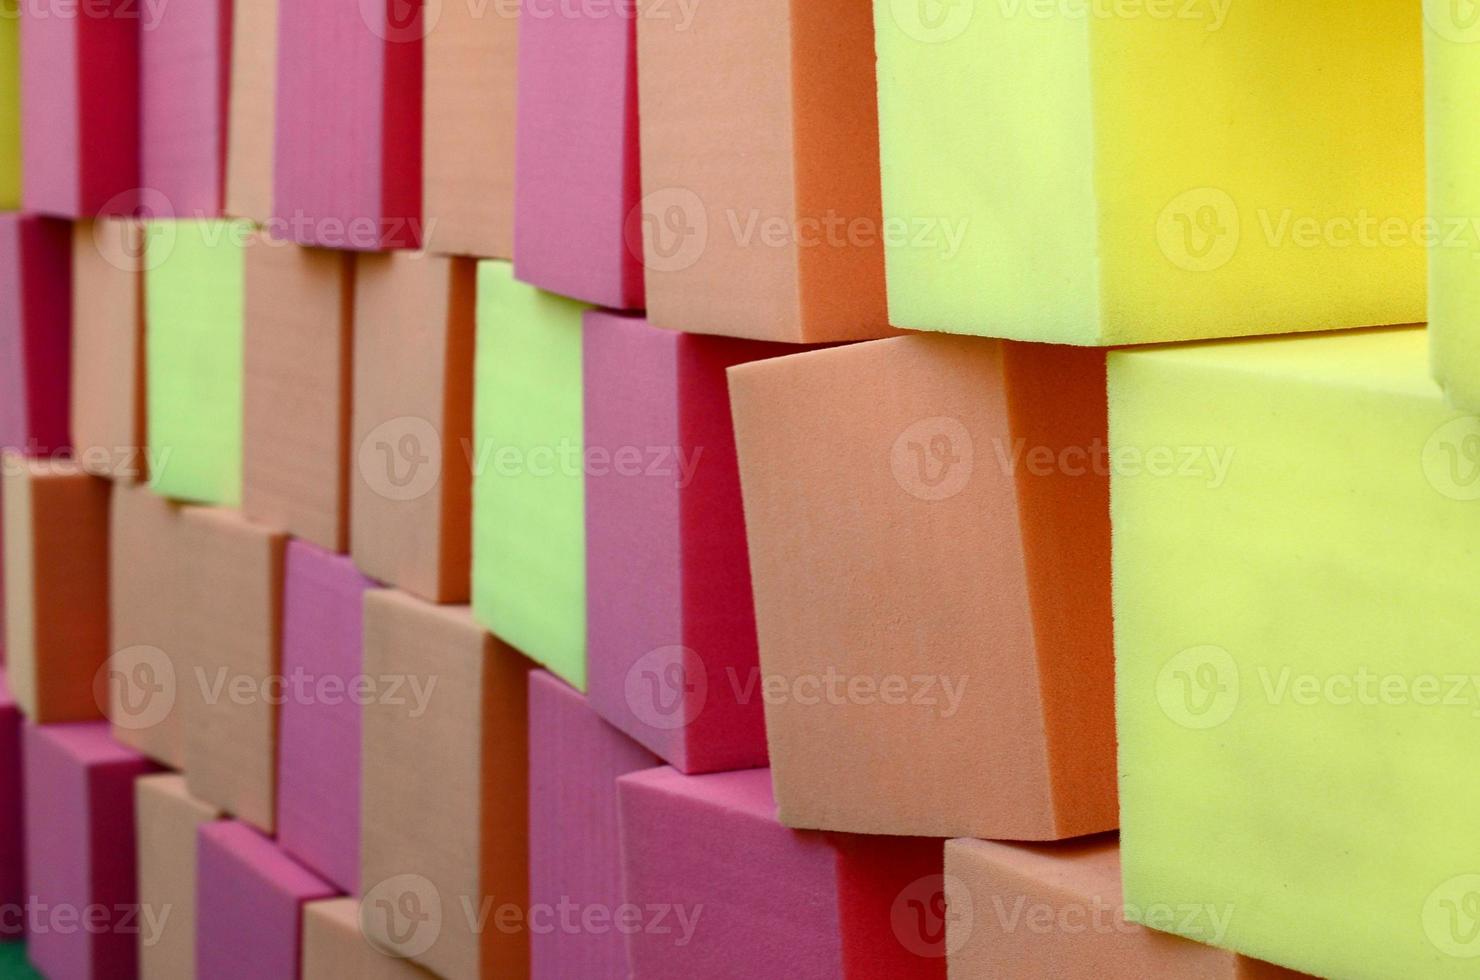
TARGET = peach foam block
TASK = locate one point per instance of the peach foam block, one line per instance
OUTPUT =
(347, 164)
(56, 586)
(249, 904)
(297, 336)
(230, 623)
(12, 823)
(468, 113)
(167, 818)
(574, 761)
(334, 948)
(184, 76)
(318, 791)
(444, 792)
(412, 423)
(1044, 911)
(79, 817)
(759, 146)
(947, 481)
(577, 220)
(800, 904)
(35, 331)
(80, 108)
(671, 663)
(107, 389)
(252, 112)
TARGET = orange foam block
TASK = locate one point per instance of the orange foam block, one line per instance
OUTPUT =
(444, 868)
(296, 401)
(1046, 911)
(230, 619)
(56, 586)
(334, 948)
(166, 818)
(468, 111)
(928, 521)
(758, 130)
(108, 348)
(770, 902)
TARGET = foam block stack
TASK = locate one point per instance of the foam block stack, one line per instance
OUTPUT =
(835, 489)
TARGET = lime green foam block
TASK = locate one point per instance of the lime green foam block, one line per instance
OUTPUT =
(10, 106)
(193, 350)
(1452, 70)
(529, 492)
(1101, 172)
(1296, 533)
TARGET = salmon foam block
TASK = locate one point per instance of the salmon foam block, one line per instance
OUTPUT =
(1303, 613)
(954, 482)
(670, 663)
(107, 390)
(35, 333)
(184, 76)
(251, 115)
(167, 819)
(1105, 174)
(799, 904)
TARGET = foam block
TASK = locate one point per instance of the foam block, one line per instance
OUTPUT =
(230, 623)
(10, 106)
(347, 164)
(335, 949)
(318, 802)
(577, 190)
(444, 791)
(148, 673)
(1339, 644)
(56, 586)
(1040, 911)
(529, 522)
(760, 208)
(574, 760)
(184, 75)
(80, 107)
(468, 108)
(12, 815)
(79, 802)
(193, 352)
(410, 480)
(1232, 231)
(295, 438)
(107, 391)
(35, 325)
(656, 402)
(251, 114)
(249, 904)
(977, 467)
(167, 819)
(798, 904)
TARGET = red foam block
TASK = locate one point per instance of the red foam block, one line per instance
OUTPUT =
(35, 333)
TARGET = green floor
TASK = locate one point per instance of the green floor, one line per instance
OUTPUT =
(13, 962)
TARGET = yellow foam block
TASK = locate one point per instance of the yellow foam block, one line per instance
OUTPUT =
(1125, 171)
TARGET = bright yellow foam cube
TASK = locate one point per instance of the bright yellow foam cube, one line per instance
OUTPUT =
(1124, 171)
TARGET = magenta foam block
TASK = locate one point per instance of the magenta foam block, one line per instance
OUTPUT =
(80, 855)
(80, 106)
(12, 817)
(574, 761)
(318, 798)
(725, 891)
(248, 904)
(577, 224)
(185, 71)
(674, 663)
(347, 163)
(35, 333)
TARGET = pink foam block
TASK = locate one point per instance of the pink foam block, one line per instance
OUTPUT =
(35, 328)
(574, 761)
(318, 799)
(80, 858)
(248, 904)
(347, 164)
(80, 106)
(742, 896)
(577, 225)
(12, 822)
(185, 63)
(673, 663)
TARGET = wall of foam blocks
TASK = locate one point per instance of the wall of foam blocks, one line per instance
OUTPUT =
(695, 489)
